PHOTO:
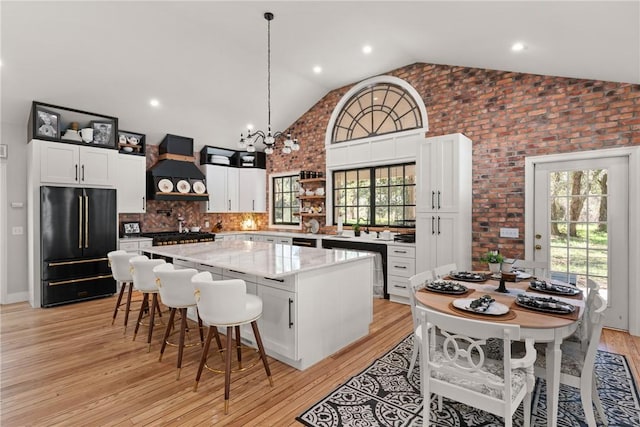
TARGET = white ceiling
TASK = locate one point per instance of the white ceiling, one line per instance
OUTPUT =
(206, 61)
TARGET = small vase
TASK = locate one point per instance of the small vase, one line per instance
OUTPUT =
(356, 233)
(494, 267)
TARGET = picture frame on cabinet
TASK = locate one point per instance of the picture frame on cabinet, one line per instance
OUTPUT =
(103, 132)
(131, 228)
(48, 123)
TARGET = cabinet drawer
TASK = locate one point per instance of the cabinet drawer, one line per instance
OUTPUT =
(404, 267)
(145, 244)
(234, 274)
(128, 246)
(401, 251)
(216, 272)
(181, 263)
(398, 286)
(285, 283)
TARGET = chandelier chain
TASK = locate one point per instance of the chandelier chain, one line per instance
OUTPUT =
(269, 73)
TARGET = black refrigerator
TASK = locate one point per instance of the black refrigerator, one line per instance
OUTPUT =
(78, 228)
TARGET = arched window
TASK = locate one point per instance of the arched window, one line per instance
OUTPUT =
(377, 109)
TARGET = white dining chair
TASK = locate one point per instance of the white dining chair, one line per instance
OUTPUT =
(577, 367)
(444, 270)
(461, 371)
(539, 269)
(144, 281)
(416, 283)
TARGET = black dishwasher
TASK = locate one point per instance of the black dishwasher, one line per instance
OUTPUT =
(362, 246)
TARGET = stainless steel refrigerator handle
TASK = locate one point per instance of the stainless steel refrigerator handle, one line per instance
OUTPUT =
(79, 222)
(86, 221)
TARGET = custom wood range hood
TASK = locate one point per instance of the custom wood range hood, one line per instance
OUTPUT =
(175, 176)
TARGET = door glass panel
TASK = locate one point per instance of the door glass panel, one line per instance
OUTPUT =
(579, 246)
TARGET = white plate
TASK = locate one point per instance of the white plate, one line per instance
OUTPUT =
(315, 226)
(199, 187)
(183, 186)
(224, 161)
(165, 185)
(495, 309)
(522, 275)
(248, 159)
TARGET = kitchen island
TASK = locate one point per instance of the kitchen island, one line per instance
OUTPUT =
(315, 301)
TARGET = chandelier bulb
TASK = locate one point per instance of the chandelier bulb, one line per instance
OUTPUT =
(268, 150)
(286, 149)
(251, 148)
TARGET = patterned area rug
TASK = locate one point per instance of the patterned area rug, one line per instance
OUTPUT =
(382, 395)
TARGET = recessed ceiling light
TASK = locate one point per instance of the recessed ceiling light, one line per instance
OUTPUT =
(317, 69)
(366, 49)
(154, 102)
(517, 47)
(250, 126)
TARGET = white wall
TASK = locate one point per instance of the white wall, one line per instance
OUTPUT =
(15, 270)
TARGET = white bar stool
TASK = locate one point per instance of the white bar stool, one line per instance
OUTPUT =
(120, 269)
(176, 292)
(226, 303)
(145, 281)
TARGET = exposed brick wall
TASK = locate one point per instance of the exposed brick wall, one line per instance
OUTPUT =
(507, 116)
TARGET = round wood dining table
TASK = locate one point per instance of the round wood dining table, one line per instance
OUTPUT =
(543, 327)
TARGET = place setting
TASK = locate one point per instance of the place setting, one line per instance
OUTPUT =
(549, 305)
(482, 308)
(555, 288)
(468, 276)
(447, 287)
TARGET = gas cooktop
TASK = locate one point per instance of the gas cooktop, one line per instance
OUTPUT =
(174, 238)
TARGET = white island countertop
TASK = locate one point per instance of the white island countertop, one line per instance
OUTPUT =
(260, 258)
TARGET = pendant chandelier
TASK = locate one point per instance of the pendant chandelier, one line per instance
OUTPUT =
(268, 138)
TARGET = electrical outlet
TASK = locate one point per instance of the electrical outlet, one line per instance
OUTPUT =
(17, 231)
(509, 232)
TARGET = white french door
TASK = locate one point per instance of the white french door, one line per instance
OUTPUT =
(581, 227)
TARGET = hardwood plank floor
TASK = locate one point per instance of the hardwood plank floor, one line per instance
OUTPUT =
(68, 366)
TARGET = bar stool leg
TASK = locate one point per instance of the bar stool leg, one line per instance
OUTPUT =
(183, 328)
(115, 312)
(205, 351)
(172, 316)
(227, 371)
(238, 347)
(200, 328)
(145, 305)
(128, 307)
(152, 313)
(263, 355)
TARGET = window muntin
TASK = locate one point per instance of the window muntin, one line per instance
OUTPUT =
(376, 110)
(376, 196)
(285, 204)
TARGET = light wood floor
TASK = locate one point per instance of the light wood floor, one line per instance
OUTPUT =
(68, 366)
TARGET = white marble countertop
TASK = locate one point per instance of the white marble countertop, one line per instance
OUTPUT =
(259, 258)
(347, 236)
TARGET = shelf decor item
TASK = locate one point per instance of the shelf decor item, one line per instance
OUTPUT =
(131, 142)
(48, 123)
(103, 132)
(130, 229)
(494, 259)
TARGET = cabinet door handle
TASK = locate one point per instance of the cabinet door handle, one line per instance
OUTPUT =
(229, 202)
(438, 199)
(82, 172)
(290, 315)
(76, 171)
(398, 286)
(438, 225)
(399, 252)
(253, 205)
(235, 271)
(144, 206)
(79, 221)
(433, 204)
(404, 267)
(275, 280)
(433, 225)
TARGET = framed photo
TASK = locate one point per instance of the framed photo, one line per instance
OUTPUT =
(103, 132)
(47, 123)
(131, 228)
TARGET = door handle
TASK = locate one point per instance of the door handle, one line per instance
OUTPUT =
(538, 247)
(79, 222)
(438, 199)
(82, 172)
(433, 204)
(438, 225)
(144, 206)
(86, 221)
(433, 226)
(290, 316)
(253, 205)
(229, 203)
(538, 236)
(76, 171)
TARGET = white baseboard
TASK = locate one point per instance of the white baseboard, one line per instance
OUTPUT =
(17, 297)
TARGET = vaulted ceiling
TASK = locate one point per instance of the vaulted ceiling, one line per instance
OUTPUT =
(206, 61)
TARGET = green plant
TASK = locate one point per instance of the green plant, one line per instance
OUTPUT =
(356, 227)
(492, 257)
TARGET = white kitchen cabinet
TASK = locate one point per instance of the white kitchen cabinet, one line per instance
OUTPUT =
(443, 205)
(401, 264)
(278, 321)
(131, 183)
(252, 192)
(134, 244)
(443, 171)
(222, 185)
(76, 165)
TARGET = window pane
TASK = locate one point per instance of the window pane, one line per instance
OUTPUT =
(364, 197)
(396, 195)
(382, 216)
(339, 180)
(352, 196)
(410, 174)
(340, 197)
(396, 216)
(382, 196)
(284, 201)
(396, 175)
(364, 178)
(352, 179)
(278, 200)
(363, 215)
(410, 195)
(382, 176)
